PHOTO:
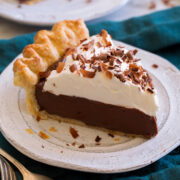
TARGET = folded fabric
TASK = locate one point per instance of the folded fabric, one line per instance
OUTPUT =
(158, 33)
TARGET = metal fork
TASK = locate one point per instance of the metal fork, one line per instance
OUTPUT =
(27, 175)
(6, 171)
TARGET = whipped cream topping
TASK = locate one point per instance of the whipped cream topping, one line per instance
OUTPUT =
(101, 71)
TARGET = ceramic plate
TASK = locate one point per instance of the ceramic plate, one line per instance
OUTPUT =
(48, 12)
(113, 154)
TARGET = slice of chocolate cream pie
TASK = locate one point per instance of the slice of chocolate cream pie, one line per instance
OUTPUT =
(90, 80)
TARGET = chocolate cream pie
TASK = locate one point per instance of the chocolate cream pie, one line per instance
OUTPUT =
(72, 77)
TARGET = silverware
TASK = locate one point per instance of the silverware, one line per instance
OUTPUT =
(6, 171)
(27, 175)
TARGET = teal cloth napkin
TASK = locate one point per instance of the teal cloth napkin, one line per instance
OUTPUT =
(158, 33)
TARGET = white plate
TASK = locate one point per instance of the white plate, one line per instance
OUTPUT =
(48, 12)
(118, 154)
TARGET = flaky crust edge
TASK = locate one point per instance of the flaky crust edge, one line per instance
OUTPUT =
(48, 47)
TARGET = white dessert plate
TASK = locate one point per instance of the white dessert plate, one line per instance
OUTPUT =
(112, 154)
(48, 12)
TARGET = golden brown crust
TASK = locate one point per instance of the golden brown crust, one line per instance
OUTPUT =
(48, 47)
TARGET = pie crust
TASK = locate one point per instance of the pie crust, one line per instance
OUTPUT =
(48, 48)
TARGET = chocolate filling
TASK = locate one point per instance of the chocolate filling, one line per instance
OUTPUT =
(126, 120)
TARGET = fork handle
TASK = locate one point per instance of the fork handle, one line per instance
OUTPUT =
(7, 173)
(20, 167)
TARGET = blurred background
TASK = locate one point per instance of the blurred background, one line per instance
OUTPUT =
(25, 16)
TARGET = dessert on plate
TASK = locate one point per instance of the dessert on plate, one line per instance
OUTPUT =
(72, 77)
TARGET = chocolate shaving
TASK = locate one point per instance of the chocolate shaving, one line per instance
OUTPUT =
(82, 146)
(111, 67)
(81, 57)
(120, 77)
(103, 67)
(38, 118)
(81, 41)
(96, 68)
(135, 51)
(111, 135)
(88, 1)
(104, 35)
(88, 61)
(155, 66)
(149, 78)
(134, 67)
(73, 57)
(98, 139)
(82, 66)
(124, 58)
(60, 67)
(70, 51)
(120, 46)
(74, 133)
(135, 79)
(117, 52)
(116, 66)
(151, 85)
(73, 68)
(168, 3)
(88, 45)
(108, 74)
(129, 54)
(150, 90)
(103, 57)
(111, 61)
(136, 60)
(73, 144)
(99, 69)
(118, 61)
(88, 74)
(152, 5)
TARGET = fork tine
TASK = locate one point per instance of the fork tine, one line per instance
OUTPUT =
(7, 172)
(10, 170)
(13, 175)
(3, 170)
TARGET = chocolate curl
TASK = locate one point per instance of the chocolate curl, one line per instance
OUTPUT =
(60, 67)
